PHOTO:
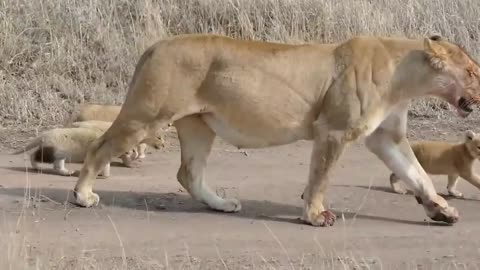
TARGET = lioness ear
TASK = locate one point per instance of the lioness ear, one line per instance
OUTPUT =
(469, 135)
(435, 51)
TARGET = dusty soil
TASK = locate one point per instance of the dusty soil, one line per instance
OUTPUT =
(146, 221)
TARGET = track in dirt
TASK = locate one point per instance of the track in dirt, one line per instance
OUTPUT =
(146, 221)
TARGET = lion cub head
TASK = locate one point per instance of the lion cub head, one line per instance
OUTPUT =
(457, 77)
(472, 142)
(156, 141)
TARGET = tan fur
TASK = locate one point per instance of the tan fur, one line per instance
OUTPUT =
(444, 158)
(98, 112)
(258, 94)
(60, 145)
(138, 152)
(108, 113)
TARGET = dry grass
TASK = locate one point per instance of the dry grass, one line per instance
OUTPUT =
(55, 54)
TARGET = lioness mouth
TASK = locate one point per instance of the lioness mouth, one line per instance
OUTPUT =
(464, 105)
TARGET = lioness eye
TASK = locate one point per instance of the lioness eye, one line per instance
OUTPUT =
(478, 147)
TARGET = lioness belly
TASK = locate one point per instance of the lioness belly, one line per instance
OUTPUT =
(255, 134)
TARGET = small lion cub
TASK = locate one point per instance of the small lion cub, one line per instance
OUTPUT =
(59, 145)
(443, 158)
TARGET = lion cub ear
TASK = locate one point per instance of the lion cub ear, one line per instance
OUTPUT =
(469, 135)
(436, 53)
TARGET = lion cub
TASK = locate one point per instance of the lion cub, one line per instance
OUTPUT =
(157, 142)
(452, 159)
(107, 114)
(60, 144)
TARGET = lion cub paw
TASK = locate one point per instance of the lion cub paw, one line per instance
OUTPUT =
(86, 199)
(455, 193)
(320, 219)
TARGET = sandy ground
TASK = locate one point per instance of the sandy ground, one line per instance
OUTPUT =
(146, 221)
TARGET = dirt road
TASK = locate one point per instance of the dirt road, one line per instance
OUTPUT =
(145, 221)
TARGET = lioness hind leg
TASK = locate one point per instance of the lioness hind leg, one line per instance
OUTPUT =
(117, 140)
(396, 184)
(452, 186)
(196, 140)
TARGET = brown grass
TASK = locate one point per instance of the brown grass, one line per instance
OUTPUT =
(55, 54)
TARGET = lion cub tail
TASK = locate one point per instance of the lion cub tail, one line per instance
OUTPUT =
(36, 142)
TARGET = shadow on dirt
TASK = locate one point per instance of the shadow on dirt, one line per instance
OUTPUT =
(182, 202)
(389, 190)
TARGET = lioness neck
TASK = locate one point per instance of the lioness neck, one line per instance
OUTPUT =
(413, 76)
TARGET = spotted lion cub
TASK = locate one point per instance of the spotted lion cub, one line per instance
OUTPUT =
(451, 159)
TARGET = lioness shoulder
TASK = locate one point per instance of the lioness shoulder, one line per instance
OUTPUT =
(445, 158)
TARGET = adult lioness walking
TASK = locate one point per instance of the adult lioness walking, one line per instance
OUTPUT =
(257, 94)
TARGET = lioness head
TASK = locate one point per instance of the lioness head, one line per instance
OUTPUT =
(458, 78)
(472, 142)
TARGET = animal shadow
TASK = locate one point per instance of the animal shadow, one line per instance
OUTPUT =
(446, 196)
(183, 203)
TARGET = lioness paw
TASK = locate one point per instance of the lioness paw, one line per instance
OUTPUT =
(320, 219)
(86, 199)
(231, 206)
(436, 212)
(450, 216)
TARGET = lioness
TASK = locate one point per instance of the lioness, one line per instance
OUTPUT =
(60, 144)
(157, 141)
(451, 159)
(257, 94)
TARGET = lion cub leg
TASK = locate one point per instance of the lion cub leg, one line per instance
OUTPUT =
(196, 140)
(106, 171)
(59, 167)
(452, 186)
(141, 148)
(33, 161)
(396, 184)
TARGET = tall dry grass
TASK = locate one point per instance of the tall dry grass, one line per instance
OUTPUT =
(54, 54)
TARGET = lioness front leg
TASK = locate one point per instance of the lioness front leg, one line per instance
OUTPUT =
(196, 140)
(452, 186)
(390, 145)
(327, 147)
